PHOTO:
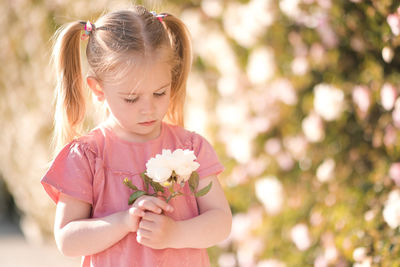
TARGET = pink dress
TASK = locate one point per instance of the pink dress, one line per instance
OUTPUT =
(92, 169)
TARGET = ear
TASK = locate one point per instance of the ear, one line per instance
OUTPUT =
(96, 88)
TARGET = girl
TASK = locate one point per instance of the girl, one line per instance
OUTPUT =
(139, 63)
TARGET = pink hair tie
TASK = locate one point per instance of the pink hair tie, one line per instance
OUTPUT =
(89, 27)
(158, 16)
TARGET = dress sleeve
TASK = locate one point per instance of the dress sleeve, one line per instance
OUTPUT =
(206, 157)
(71, 173)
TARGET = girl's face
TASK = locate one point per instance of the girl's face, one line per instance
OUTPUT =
(139, 101)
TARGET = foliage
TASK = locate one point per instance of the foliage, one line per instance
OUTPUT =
(321, 110)
(299, 97)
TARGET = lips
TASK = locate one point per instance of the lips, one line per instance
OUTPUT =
(147, 123)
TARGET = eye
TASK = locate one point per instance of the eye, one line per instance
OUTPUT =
(130, 100)
(160, 94)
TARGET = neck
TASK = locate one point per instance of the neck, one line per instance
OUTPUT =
(130, 136)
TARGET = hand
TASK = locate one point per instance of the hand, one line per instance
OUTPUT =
(149, 203)
(156, 230)
(132, 218)
(142, 204)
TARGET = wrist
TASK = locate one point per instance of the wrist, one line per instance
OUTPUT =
(177, 235)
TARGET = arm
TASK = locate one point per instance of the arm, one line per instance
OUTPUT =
(212, 226)
(77, 235)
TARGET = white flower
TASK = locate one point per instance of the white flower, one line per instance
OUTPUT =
(387, 54)
(269, 191)
(328, 101)
(160, 167)
(388, 96)
(212, 8)
(301, 236)
(365, 263)
(313, 128)
(290, 8)
(299, 66)
(394, 22)
(261, 66)
(227, 260)
(283, 90)
(251, 21)
(391, 212)
(183, 164)
(271, 263)
(359, 254)
(326, 170)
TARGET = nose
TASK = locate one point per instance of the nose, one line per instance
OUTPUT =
(147, 107)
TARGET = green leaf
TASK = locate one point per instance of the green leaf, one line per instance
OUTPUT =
(129, 184)
(148, 181)
(135, 196)
(203, 191)
(194, 181)
(157, 187)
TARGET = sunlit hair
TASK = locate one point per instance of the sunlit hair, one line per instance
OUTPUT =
(119, 38)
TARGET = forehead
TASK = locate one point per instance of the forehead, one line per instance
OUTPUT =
(139, 75)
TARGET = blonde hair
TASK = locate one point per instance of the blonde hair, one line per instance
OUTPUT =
(116, 35)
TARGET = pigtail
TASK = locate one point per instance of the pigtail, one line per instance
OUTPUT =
(180, 40)
(70, 96)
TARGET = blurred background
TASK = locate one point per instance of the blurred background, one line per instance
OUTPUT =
(300, 99)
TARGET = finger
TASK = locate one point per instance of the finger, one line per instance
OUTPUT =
(155, 204)
(146, 225)
(149, 205)
(143, 240)
(136, 212)
(152, 217)
(143, 233)
(163, 205)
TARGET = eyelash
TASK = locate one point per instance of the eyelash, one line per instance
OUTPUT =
(127, 100)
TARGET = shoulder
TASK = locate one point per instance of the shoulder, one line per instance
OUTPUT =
(188, 139)
(204, 151)
(87, 144)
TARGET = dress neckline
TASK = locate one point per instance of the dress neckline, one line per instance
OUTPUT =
(134, 143)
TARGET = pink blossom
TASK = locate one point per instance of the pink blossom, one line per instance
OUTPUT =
(390, 136)
(394, 22)
(362, 99)
(282, 89)
(317, 52)
(285, 161)
(321, 261)
(326, 4)
(388, 96)
(394, 172)
(326, 32)
(272, 146)
(396, 113)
